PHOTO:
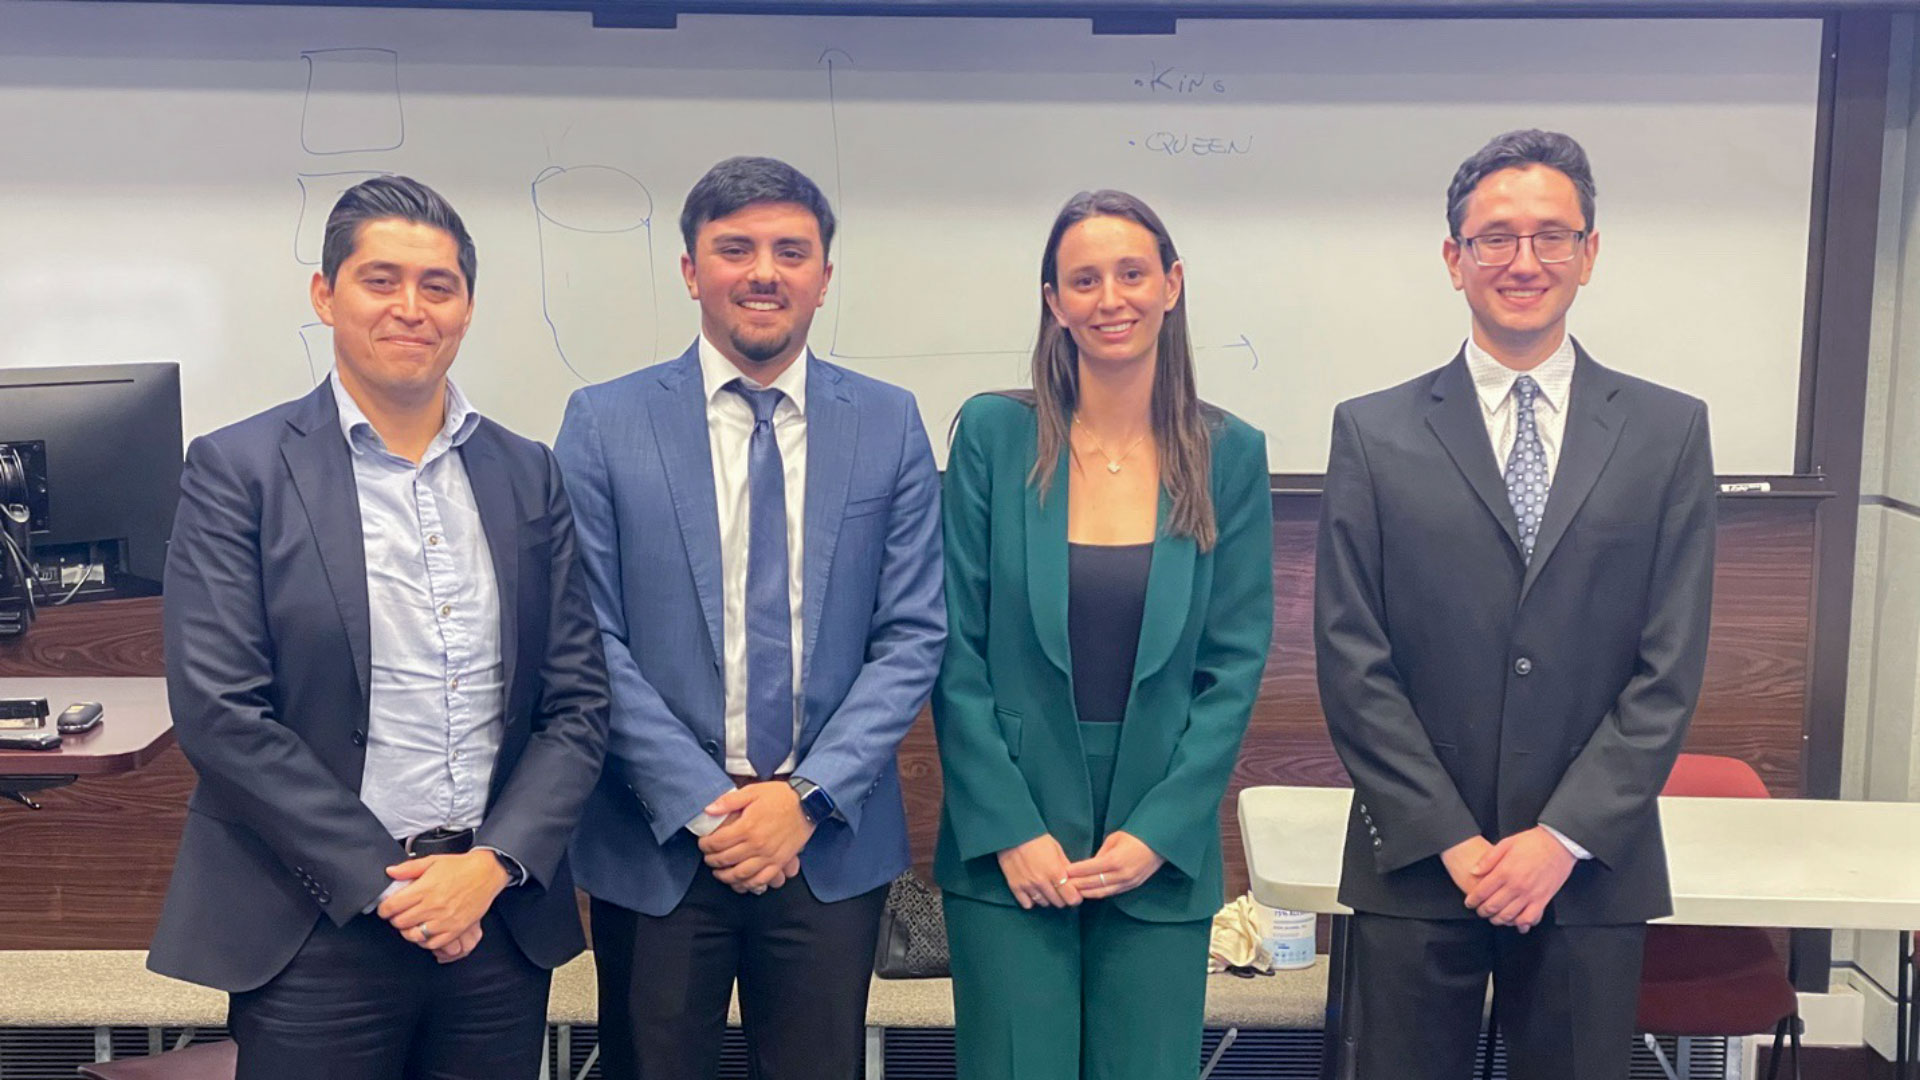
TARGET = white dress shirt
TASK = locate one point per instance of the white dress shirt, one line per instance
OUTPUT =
(729, 427)
(1493, 381)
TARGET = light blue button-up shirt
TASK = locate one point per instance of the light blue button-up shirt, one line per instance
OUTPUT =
(437, 708)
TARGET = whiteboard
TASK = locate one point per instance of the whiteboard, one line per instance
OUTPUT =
(165, 172)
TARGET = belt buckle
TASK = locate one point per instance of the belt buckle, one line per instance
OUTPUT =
(438, 832)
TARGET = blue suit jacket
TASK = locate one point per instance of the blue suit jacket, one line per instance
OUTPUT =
(268, 654)
(638, 465)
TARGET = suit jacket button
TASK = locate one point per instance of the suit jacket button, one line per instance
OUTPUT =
(326, 897)
(647, 809)
(1376, 843)
(712, 748)
(1523, 666)
(359, 738)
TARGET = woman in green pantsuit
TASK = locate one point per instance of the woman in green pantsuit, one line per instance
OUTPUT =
(1109, 606)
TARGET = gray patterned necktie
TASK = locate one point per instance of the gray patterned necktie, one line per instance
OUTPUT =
(1526, 474)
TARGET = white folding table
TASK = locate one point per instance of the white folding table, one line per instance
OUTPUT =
(1808, 863)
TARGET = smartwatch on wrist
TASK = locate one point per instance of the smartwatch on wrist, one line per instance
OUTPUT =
(815, 803)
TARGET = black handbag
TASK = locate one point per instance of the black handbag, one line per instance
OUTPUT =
(913, 932)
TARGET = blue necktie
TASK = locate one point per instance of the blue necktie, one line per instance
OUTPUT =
(1527, 465)
(769, 617)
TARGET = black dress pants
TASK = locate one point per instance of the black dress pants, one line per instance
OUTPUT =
(1565, 997)
(359, 1002)
(803, 968)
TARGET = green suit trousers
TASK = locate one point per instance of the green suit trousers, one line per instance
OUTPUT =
(1086, 993)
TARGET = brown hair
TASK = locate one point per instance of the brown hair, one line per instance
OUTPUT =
(1181, 423)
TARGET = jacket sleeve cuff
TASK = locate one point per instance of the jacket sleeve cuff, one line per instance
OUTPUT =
(703, 823)
(516, 872)
(1573, 849)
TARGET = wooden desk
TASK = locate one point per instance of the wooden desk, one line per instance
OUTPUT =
(135, 728)
(1733, 862)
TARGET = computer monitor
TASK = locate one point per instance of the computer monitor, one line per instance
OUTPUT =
(101, 446)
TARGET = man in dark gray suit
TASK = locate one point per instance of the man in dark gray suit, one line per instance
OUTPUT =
(383, 664)
(1515, 569)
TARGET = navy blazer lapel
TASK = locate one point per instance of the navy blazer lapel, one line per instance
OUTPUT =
(833, 433)
(321, 466)
(489, 477)
(1593, 430)
(679, 414)
(1456, 417)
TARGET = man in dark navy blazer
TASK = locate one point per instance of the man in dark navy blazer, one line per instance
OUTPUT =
(761, 531)
(1514, 577)
(383, 664)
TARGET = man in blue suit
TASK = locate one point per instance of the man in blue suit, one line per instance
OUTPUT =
(762, 540)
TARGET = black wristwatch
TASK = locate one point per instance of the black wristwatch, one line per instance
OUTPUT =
(815, 803)
(515, 875)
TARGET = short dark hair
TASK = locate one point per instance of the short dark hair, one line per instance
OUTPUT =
(740, 182)
(385, 197)
(1517, 150)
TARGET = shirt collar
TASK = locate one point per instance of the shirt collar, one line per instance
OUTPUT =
(716, 371)
(1493, 381)
(459, 426)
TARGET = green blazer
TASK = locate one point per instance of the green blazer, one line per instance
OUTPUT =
(1003, 707)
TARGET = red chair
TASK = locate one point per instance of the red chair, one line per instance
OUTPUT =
(1721, 981)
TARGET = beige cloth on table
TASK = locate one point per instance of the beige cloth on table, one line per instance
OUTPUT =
(1238, 930)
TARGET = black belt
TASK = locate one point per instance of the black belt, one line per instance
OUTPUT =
(439, 841)
(743, 781)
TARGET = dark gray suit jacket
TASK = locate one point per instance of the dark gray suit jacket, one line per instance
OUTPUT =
(267, 668)
(1468, 691)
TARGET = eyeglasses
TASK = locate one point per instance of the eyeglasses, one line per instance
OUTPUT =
(1549, 246)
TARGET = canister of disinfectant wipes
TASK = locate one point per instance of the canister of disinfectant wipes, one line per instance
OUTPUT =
(1289, 938)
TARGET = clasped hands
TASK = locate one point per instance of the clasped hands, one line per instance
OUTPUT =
(1039, 872)
(758, 846)
(440, 906)
(1510, 883)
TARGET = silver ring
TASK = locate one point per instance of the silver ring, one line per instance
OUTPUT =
(1103, 881)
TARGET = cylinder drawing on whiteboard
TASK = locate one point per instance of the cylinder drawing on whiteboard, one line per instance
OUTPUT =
(353, 101)
(598, 290)
(318, 193)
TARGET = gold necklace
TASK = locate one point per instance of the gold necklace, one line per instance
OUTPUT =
(1113, 463)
